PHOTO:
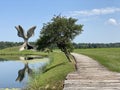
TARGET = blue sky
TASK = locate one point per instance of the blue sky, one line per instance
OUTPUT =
(101, 18)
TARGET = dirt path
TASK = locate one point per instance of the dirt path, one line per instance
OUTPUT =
(90, 75)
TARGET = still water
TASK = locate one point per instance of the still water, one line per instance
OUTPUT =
(16, 73)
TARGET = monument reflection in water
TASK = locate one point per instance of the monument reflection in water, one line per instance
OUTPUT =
(21, 72)
(16, 73)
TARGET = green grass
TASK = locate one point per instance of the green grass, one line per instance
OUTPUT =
(15, 51)
(109, 57)
(55, 74)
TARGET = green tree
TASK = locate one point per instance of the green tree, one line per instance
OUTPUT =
(60, 31)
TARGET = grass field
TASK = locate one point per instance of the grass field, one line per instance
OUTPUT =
(109, 57)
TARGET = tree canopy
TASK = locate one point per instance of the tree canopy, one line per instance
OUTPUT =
(60, 31)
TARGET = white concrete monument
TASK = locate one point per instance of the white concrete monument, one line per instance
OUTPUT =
(25, 36)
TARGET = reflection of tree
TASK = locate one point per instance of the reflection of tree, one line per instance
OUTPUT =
(21, 72)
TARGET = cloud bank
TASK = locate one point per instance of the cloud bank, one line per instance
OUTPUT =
(101, 11)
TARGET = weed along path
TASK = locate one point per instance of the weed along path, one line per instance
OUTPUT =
(90, 75)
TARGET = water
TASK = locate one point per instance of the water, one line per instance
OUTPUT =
(16, 73)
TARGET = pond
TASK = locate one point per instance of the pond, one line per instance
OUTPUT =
(16, 73)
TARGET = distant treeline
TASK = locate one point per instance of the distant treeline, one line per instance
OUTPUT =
(76, 45)
(11, 44)
(96, 45)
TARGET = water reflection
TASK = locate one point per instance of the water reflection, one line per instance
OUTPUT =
(21, 72)
(16, 73)
(26, 69)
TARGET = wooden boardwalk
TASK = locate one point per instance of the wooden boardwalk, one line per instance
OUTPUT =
(90, 75)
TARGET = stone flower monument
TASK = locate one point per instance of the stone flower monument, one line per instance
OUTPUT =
(25, 36)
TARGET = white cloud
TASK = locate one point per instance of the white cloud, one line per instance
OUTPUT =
(92, 12)
(112, 21)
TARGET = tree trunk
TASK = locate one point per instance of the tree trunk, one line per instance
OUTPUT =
(67, 55)
(62, 47)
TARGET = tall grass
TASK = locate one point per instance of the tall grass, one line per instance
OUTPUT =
(109, 57)
(54, 75)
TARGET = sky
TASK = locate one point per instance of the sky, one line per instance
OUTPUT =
(101, 18)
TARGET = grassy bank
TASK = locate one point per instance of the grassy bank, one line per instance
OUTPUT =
(15, 51)
(54, 74)
(109, 57)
